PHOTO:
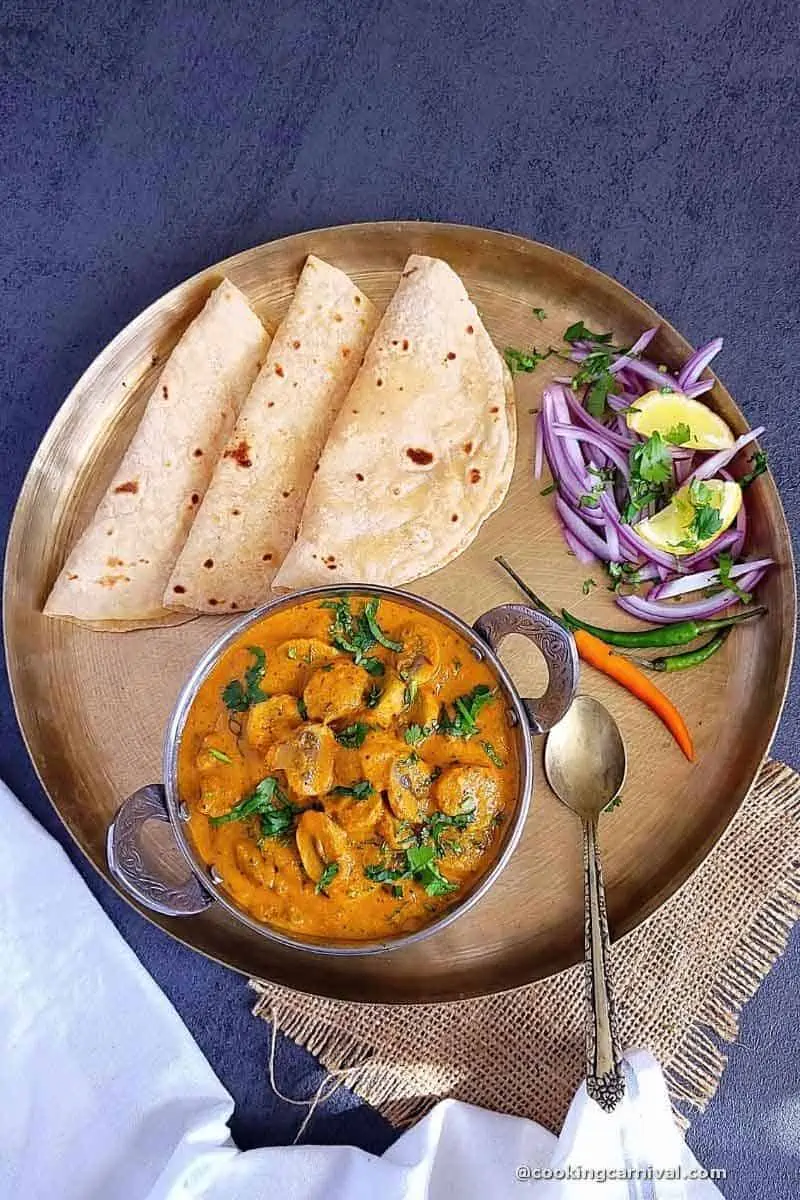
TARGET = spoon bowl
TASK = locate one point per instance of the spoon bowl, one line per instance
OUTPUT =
(585, 759)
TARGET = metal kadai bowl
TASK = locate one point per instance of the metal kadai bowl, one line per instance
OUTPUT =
(140, 869)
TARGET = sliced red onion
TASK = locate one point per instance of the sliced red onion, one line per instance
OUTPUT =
(723, 457)
(723, 542)
(683, 469)
(538, 455)
(703, 579)
(693, 390)
(586, 536)
(579, 413)
(694, 366)
(577, 547)
(665, 614)
(601, 444)
(640, 366)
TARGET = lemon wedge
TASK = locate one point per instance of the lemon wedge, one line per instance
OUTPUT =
(673, 413)
(697, 514)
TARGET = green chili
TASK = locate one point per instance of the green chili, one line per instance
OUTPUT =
(678, 634)
(687, 658)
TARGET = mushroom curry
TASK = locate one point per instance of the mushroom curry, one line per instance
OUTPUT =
(346, 766)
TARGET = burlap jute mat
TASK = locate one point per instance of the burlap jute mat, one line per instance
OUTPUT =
(681, 980)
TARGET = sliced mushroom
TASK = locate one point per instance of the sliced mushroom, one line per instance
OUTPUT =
(252, 863)
(320, 842)
(379, 752)
(307, 759)
(392, 701)
(335, 692)
(272, 720)
(359, 817)
(468, 789)
(420, 657)
(409, 787)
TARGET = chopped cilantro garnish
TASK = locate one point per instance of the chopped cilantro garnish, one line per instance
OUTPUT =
(522, 362)
(679, 434)
(725, 563)
(540, 313)
(373, 695)
(650, 469)
(463, 722)
(219, 755)
(353, 735)
(546, 491)
(267, 802)
(353, 633)
(301, 708)
(492, 754)
(327, 877)
(759, 461)
(359, 790)
(238, 696)
(587, 586)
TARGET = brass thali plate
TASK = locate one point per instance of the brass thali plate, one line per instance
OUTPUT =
(93, 707)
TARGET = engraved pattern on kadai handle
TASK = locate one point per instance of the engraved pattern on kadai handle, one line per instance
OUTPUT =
(129, 863)
(609, 1088)
(557, 647)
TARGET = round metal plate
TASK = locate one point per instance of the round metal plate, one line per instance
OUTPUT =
(93, 707)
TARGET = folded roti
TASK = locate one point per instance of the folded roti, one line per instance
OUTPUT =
(423, 449)
(116, 573)
(251, 512)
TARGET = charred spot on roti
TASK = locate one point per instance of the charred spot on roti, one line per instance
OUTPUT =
(266, 558)
(295, 344)
(235, 512)
(474, 475)
(208, 564)
(279, 370)
(410, 271)
(286, 495)
(195, 498)
(470, 329)
(165, 392)
(337, 316)
(197, 452)
(345, 351)
(494, 409)
(316, 468)
(378, 383)
(270, 404)
(109, 532)
(115, 562)
(356, 299)
(110, 581)
(405, 343)
(423, 458)
(468, 447)
(240, 454)
(359, 477)
(130, 486)
(179, 588)
(234, 604)
(450, 355)
(331, 566)
(213, 602)
(72, 575)
(454, 517)
(154, 360)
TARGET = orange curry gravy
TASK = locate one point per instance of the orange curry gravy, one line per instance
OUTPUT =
(342, 788)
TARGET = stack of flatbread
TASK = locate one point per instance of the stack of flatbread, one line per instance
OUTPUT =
(344, 450)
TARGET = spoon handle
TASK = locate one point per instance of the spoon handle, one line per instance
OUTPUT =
(605, 1082)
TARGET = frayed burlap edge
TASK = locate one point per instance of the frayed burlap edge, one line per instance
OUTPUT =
(697, 1059)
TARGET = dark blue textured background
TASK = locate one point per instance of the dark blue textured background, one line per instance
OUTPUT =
(657, 141)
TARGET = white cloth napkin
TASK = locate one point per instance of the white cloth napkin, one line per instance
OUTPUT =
(104, 1095)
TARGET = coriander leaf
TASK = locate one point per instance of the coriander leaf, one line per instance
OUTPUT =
(706, 521)
(268, 802)
(417, 733)
(327, 877)
(679, 434)
(520, 362)
(725, 563)
(301, 708)
(380, 873)
(587, 586)
(759, 461)
(353, 634)
(463, 722)
(370, 615)
(238, 696)
(410, 692)
(492, 754)
(353, 735)
(373, 666)
(373, 695)
(551, 487)
(219, 755)
(596, 398)
(359, 790)
(613, 803)
(650, 469)
(397, 891)
(540, 313)
(579, 333)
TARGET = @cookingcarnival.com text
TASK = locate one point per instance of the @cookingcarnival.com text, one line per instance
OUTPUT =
(578, 1173)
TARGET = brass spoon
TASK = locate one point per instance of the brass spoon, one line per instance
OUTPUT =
(585, 763)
